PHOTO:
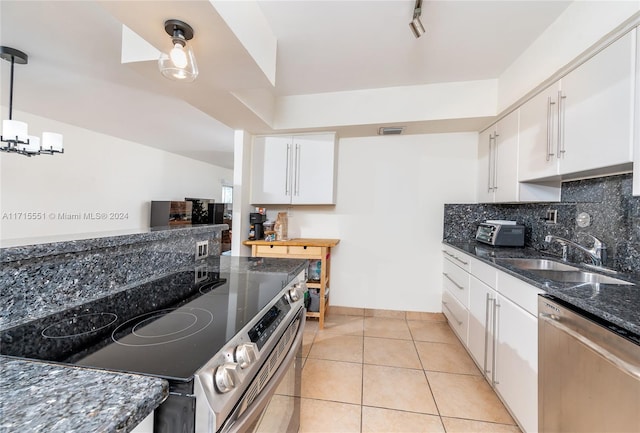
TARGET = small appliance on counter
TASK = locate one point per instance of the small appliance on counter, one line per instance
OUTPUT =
(256, 229)
(170, 213)
(501, 233)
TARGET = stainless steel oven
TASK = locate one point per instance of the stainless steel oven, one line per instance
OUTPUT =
(272, 402)
(588, 375)
(229, 344)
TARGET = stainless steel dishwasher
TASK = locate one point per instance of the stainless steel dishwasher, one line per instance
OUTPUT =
(588, 375)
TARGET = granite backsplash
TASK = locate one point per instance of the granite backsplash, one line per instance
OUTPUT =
(42, 279)
(614, 218)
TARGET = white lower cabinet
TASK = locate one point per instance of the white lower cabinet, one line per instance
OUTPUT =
(516, 362)
(500, 331)
(481, 319)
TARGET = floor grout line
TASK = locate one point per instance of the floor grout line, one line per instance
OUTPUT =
(364, 363)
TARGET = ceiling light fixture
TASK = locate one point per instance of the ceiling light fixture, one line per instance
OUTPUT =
(180, 63)
(416, 25)
(15, 136)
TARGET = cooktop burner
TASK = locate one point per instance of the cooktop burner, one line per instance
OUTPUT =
(168, 327)
(160, 327)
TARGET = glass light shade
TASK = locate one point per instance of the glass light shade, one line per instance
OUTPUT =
(32, 147)
(175, 71)
(52, 142)
(15, 131)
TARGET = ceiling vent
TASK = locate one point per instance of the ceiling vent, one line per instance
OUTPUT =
(391, 130)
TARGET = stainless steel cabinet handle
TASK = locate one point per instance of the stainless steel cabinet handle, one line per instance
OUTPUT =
(496, 305)
(296, 172)
(486, 333)
(455, 257)
(550, 105)
(623, 365)
(454, 316)
(490, 157)
(495, 160)
(287, 178)
(453, 281)
(561, 148)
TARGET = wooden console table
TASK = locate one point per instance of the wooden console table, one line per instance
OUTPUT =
(312, 249)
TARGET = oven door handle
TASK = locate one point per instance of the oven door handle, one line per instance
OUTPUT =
(260, 403)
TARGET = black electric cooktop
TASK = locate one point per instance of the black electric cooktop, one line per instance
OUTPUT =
(169, 327)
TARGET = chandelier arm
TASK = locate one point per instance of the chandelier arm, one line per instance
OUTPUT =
(13, 62)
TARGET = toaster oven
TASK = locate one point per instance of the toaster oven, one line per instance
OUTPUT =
(501, 235)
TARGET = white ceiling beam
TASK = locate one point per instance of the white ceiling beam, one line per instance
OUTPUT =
(246, 21)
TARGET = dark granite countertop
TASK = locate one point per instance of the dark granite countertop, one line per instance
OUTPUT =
(43, 247)
(611, 303)
(42, 397)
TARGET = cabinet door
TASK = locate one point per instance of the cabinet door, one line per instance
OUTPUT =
(596, 119)
(517, 362)
(538, 136)
(271, 175)
(506, 159)
(485, 165)
(481, 309)
(314, 169)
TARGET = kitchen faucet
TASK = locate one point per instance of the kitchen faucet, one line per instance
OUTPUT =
(597, 253)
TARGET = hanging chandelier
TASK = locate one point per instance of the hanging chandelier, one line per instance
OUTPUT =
(15, 136)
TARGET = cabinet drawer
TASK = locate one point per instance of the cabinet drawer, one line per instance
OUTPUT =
(456, 257)
(305, 251)
(485, 273)
(522, 294)
(457, 316)
(456, 281)
(271, 250)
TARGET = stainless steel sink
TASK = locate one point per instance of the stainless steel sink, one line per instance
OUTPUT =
(537, 264)
(577, 276)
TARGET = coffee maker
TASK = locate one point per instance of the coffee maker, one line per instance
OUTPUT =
(256, 228)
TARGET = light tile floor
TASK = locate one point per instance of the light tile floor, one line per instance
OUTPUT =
(375, 374)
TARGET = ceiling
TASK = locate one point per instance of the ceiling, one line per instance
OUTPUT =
(75, 74)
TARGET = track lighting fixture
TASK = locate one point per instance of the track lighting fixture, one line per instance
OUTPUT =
(416, 25)
(15, 136)
(178, 63)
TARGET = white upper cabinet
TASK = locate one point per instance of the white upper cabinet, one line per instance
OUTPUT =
(538, 136)
(582, 124)
(294, 169)
(485, 165)
(497, 159)
(596, 110)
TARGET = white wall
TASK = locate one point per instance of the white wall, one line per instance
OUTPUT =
(97, 173)
(389, 217)
(457, 100)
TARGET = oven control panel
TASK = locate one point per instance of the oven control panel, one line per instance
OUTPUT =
(269, 322)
